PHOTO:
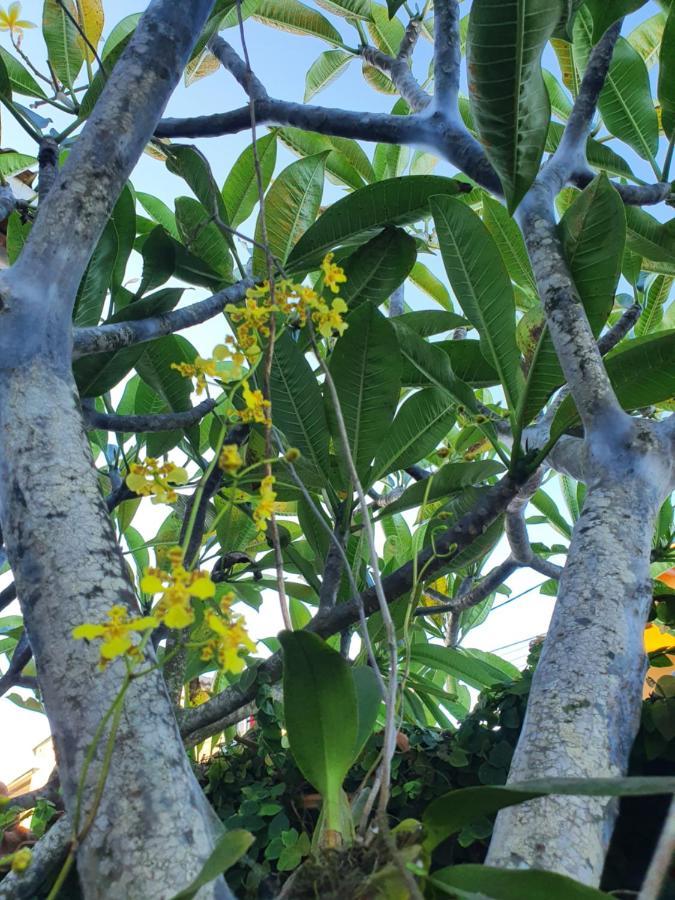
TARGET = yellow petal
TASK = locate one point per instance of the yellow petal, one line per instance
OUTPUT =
(135, 482)
(178, 475)
(143, 623)
(202, 588)
(115, 646)
(151, 584)
(179, 617)
(88, 632)
(216, 624)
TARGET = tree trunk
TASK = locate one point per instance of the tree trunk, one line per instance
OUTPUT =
(153, 829)
(584, 706)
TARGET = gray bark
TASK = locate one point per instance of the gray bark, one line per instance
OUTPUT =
(154, 828)
(584, 706)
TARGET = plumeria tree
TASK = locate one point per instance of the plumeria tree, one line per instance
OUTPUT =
(354, 455)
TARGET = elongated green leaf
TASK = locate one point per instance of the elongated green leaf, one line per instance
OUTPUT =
(154, 367)
(377, 268)
(641, 372)
(121, 30)
(468, 362)
(420, 424)
(202, 237)
(378, 80)
(509, 100)
(240, 191)
(646, 38)
(159, 212)
(546, 505)
(320, 708)
(20, 79)
(324, 70)
(426, 365)
(190, 164)
(426, 281)
(666, 88)
(96, 281)
(306, 143)
(293, 16)
(625, 102)
(656, 297)
(11, 161)
(366, 370)
(291, 205)
(477, 673)
(369, 700)
(427, 322)
(482, 286)
(354, 153)
(396, 201)
(386, 33)
(510, 242)
(231, 846)
(500, 884)
(347, 9)
(448, 479)
(648, 237)
(298, 405)
(561, 104)
(123, 220)
(593, 234)
(605, 14)
(63, 41)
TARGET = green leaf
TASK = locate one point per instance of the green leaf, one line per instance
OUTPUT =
(64, 45)
(357, 217)
(123, 220)
(449, 478)
(96, 280)
(478, 673)
(605, 14)
(159, 212)
(646, 38)
(426, 281)
(202, 237)
(297, 403)
(509, 240)
(231, 847)
(17, 235)
(11, 161)
(365, 368)
(378, 267)
(291, 206)
(378, 80)
(320, 708)
(502, 884)
(368, 700)
(625, 102)
(324, 70)
(99, 80)
(666, 86)
(593, 234)
(191, 165)
(641, 372)
(427, 322)
(449, 813)
(420, 424)
(550, 509)
(120, 31)
(240, 191)
(656, 297)
(509, 100)
(307, 143)
(561, 104)
(427, 365)
(347, 9)
(159, 260)
(154, 367)
(20, 79)
(648, 237)
(293, 16)
(482, 286)
(385, 32)
(469, 363)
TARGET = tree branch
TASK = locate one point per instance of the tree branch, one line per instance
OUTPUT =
(49, 791)
(104, 155)
(104, 338)
(235, 65)
(398, 70)
(430, 560)
(620, 329)
(477, 593)
(137, 424)
(47, 857)
(20, 658)
(447, 57)
(7, 596)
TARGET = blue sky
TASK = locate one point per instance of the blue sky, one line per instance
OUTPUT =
(280, 60)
